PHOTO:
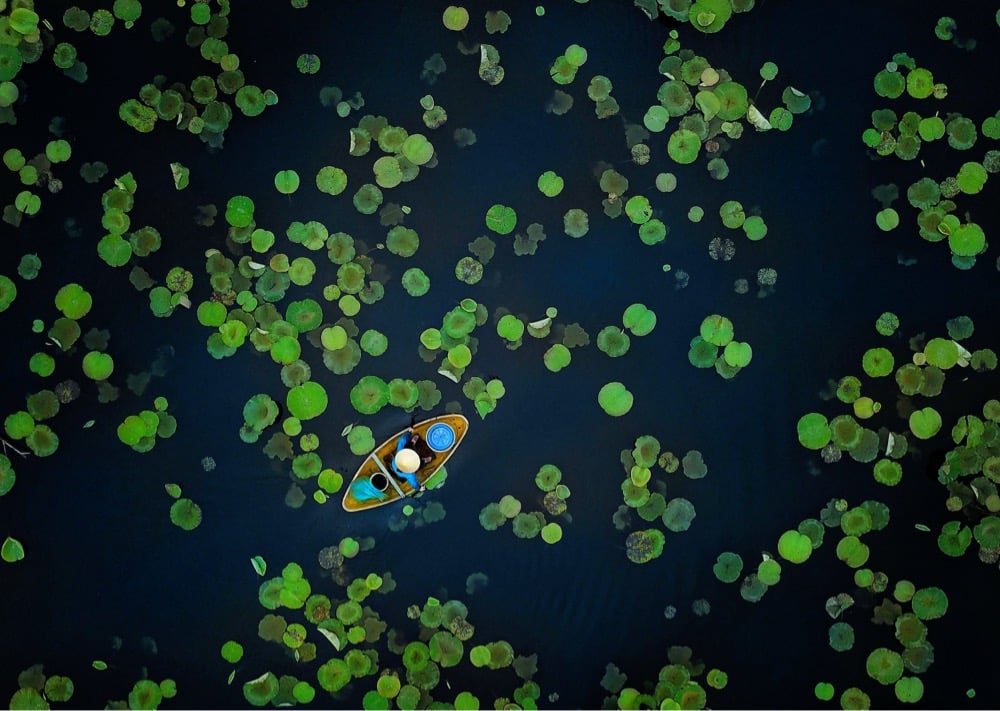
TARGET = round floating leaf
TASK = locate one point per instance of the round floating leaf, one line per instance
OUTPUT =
(656, 118)
(388, 172)
(794, 547)
(925, 422)
(884, 665)
(877, 362)
(307, 400)
(146, 694)
(58, 151)
(260, 691)
(576, 223)
(888, 472)
(929, 603)
(374, 343)
(58, 688)
(919, 83)
(769, 571)
(460, 355)
(551, 532)
(683, 146)
(728, 567)
(557, 357)
(501, 219)
(710, 15)
(369, 395)
(469, 270)
(510, 328)
(455, 18)
(639, 320)
(613, 341)
(367, 199)
(417, 149)
(638, 209)
(232, 651)
(652, 231)
(755, 228)
(852, 551)
(716, 329)
(239, 211)
(615, 399)
(334, 338)
(185, 514)
(734, 100)
(331, 180)
(737, 354)
(286, 181)
(813, 430)
(114, 250)
(550, 184)
(74, 301)
(841, 636)
(967, 240)
(98, 366)
(8, 292)
(971, 178)
(909, 689)
(644, 546)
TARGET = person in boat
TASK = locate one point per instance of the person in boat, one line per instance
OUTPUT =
(407, 459)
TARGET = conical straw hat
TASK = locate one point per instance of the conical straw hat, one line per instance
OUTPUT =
(407, 461)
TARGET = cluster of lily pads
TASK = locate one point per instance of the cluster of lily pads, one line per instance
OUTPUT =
(677, 685)
(797, 545)
(884, 665)
(529, 524)
(119, 245)
(647, 497)
(405, 153)
(716, 331)
(37, 690)
(711, 117)
(397, 668)
(36, 172)
(898, 668)
(903, 136)
(140, 431)
(971, 470)
(73, 303)
(199, 106)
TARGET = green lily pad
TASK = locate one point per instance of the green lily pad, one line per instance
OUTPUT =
(12, 550)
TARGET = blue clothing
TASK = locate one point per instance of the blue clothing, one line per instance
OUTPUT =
(410, 478)
(364, 490)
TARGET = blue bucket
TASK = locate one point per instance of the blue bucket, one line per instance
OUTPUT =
(440, 437)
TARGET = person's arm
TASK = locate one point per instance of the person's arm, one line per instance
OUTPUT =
(403, 440)
(412, 479)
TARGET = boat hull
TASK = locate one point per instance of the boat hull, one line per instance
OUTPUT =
(376, 466)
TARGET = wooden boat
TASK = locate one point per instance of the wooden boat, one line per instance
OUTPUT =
(440, 437)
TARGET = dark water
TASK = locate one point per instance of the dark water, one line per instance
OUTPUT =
(104, 561)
